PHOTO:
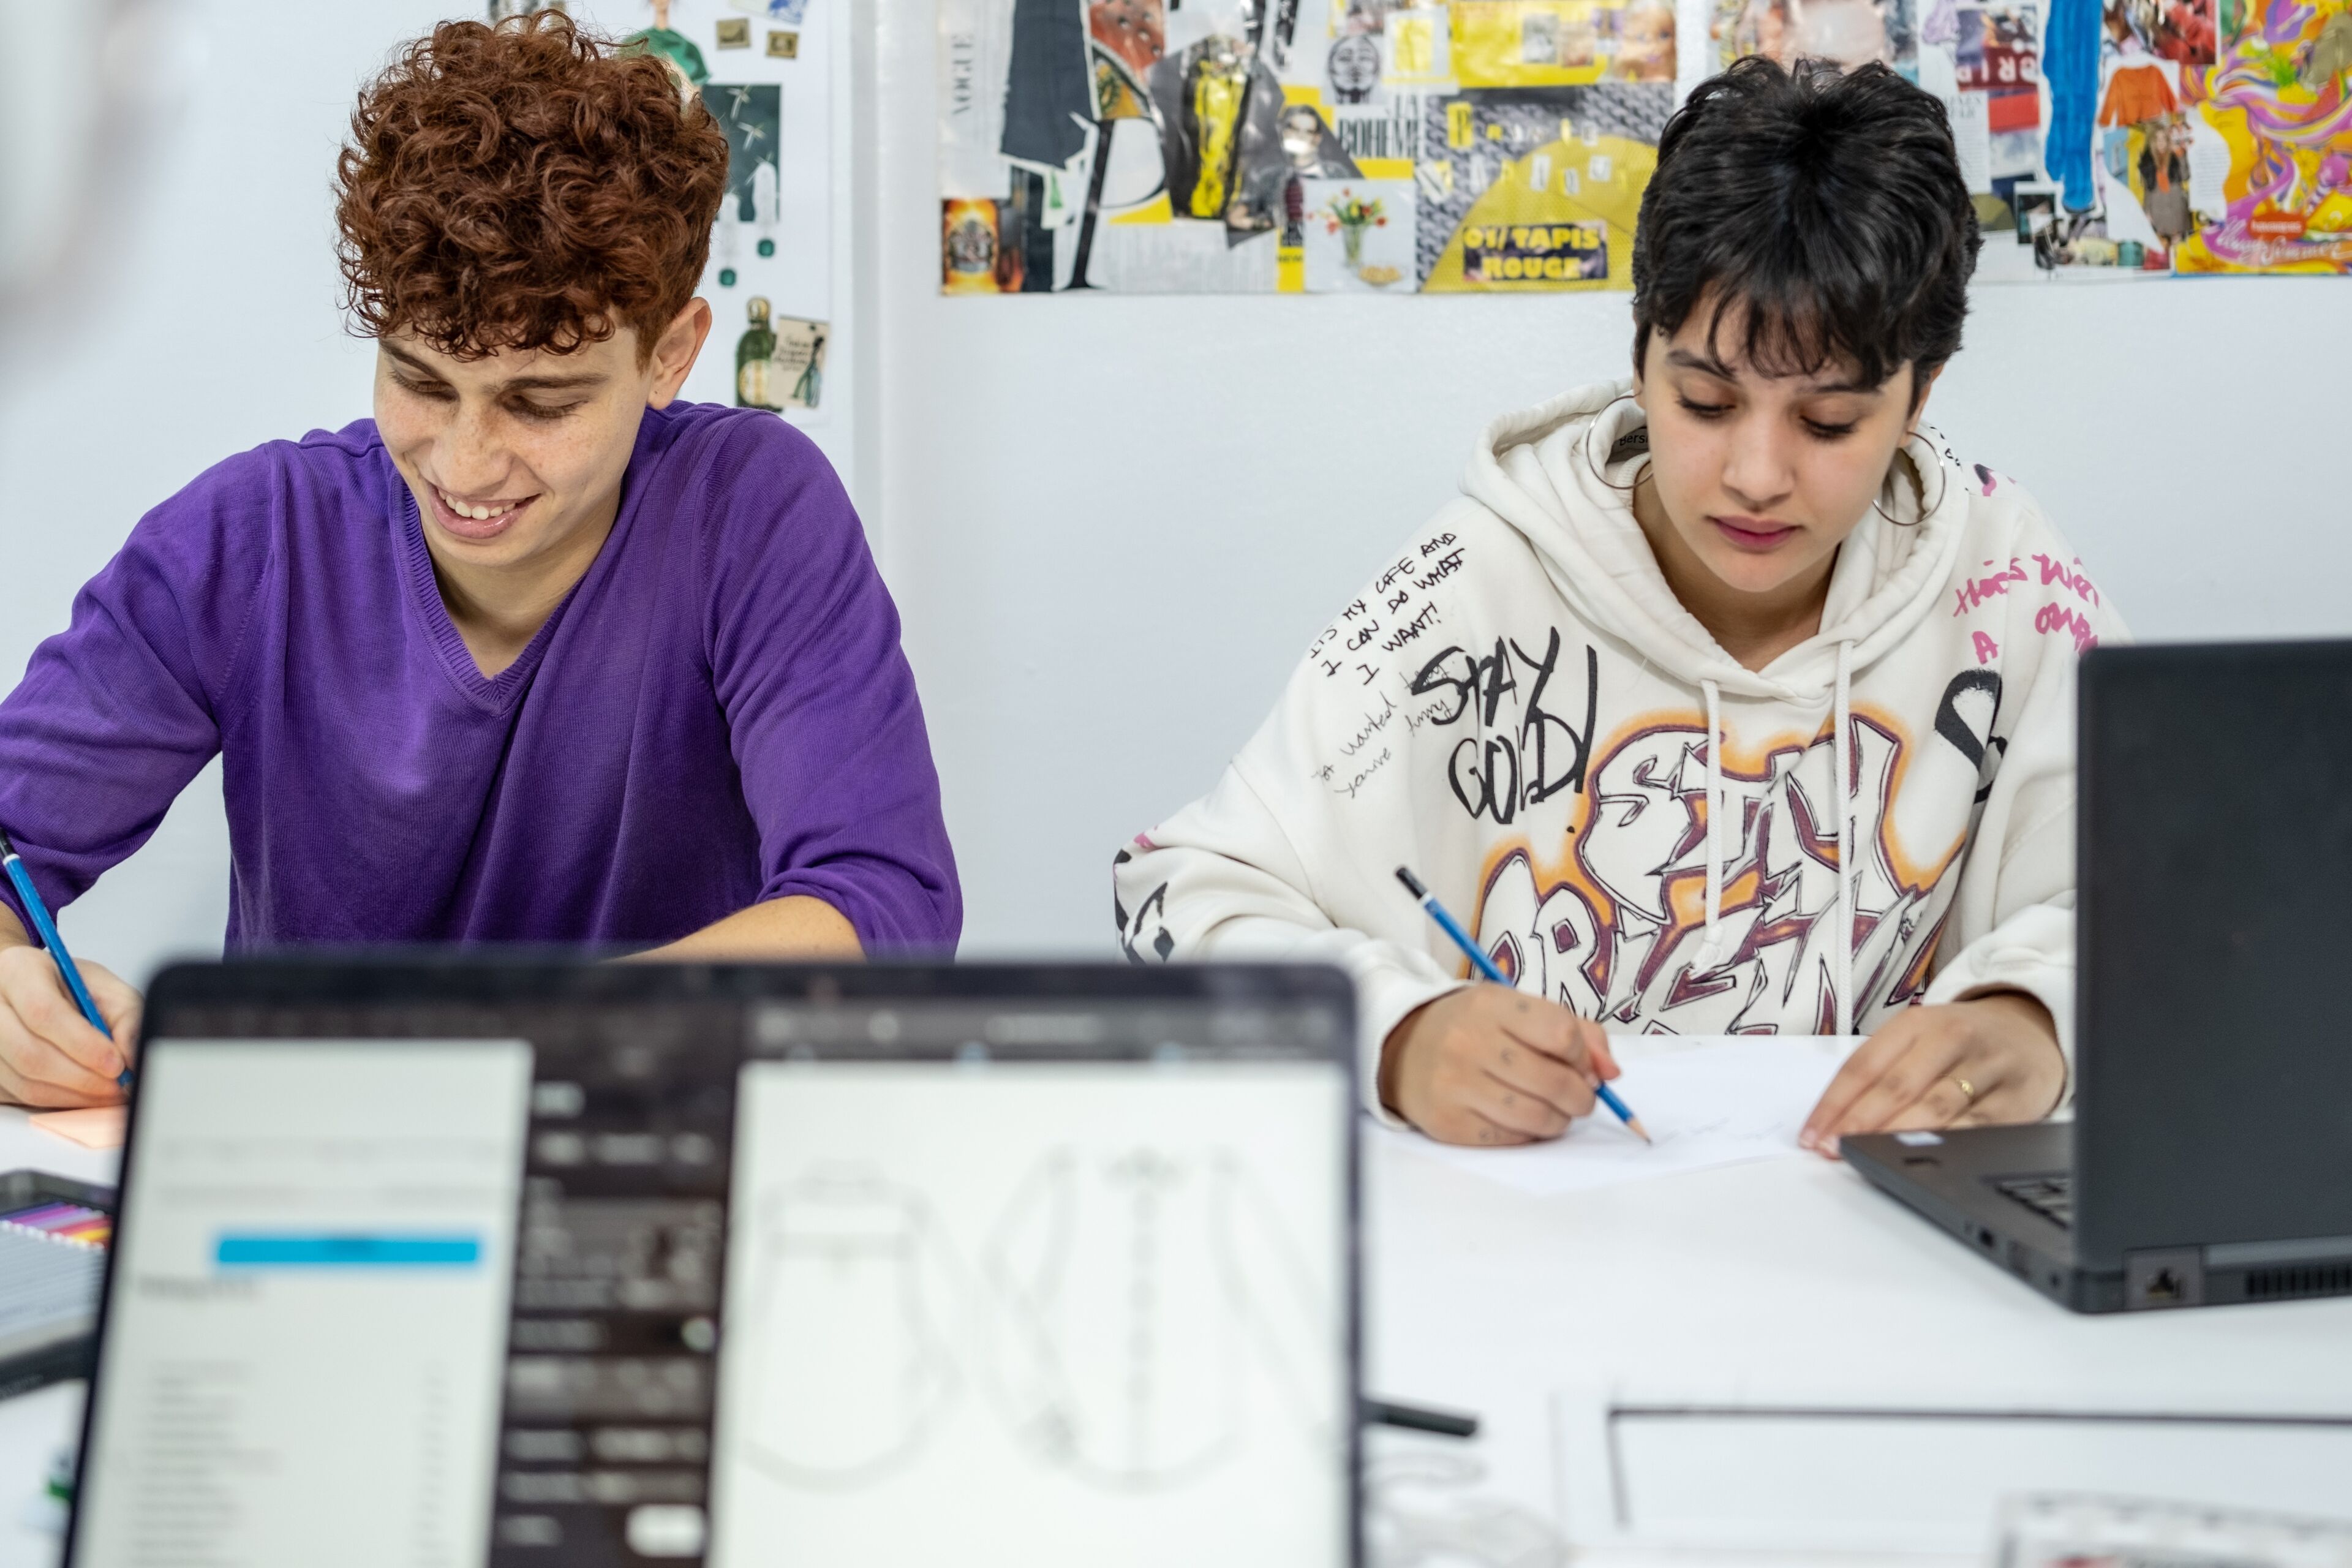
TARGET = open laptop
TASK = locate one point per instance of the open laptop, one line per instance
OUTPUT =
(460, 1263)
(2209, 1160)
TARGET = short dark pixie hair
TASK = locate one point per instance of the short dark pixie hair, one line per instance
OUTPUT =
(1827, 205)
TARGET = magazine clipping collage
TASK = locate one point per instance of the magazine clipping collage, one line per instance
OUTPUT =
(1483, 146)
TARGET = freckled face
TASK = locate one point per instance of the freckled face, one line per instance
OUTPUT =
(514, 455)
(1760, 476)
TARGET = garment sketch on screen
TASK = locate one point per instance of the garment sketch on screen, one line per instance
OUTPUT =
(857, 1303)
(1149, 1310)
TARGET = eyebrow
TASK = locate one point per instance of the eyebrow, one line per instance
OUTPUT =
(1688, 359)
(519, 384)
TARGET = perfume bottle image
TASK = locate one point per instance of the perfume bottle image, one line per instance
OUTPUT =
(755, 352)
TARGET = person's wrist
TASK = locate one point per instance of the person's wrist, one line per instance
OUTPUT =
(2025, 1022)
(1392, 1049)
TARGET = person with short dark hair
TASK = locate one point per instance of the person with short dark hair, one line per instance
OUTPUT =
(1724, 700)
(538, 653)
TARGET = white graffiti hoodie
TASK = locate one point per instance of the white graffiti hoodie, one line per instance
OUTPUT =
(1517, 708)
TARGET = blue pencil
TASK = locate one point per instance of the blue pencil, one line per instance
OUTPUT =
(1467, 943)
(45, 931)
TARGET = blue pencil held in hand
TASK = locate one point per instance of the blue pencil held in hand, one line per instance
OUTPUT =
(45, 931)
(1463, 939)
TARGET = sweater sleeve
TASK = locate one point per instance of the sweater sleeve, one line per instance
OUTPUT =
(1221, 880)
(1292, 855)
(2014, 916)
(119, 711)
(825, 726)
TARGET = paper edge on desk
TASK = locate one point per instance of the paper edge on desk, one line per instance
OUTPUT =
(94, 1127)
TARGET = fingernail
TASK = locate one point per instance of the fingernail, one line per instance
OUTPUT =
(1806, 1140)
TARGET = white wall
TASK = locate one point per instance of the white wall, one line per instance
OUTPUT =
(1113, 523)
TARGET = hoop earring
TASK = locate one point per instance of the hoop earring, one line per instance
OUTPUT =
(1924, 510)
(1584, 446)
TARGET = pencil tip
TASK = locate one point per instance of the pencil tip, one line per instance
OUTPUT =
(1411, 883)
(1639, 1131)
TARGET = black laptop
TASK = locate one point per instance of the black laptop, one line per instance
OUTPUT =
(452, 1264)
(2209, 1160)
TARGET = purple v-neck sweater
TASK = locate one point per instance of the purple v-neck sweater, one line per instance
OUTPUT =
(717, 715)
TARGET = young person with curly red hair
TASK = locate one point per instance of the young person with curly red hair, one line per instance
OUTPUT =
(538, 653)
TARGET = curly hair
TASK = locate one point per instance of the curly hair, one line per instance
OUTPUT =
(527, 186)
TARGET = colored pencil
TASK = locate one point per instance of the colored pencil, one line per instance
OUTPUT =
(1469, 944)
(45, 931)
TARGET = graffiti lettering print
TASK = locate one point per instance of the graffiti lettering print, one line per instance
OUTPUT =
(1495, 775)
(1619, 935)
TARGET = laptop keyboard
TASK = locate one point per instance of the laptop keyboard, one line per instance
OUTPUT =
(2051, 1197)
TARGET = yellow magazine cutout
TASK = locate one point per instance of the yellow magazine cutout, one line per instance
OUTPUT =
(1530, 43)
(1529, 234)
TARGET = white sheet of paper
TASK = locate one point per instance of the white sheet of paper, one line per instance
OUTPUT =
(1715, 1104)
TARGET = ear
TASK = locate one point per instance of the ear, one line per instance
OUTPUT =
(1921, 385)
(675, 353)
(1640, 354)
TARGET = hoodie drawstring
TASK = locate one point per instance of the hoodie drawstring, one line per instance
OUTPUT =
(1848, 830)
(1842, 759)
(1713, 812)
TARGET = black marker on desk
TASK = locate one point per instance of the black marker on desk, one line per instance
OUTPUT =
(44, 932)
(1414, 1419)
(1467, 943)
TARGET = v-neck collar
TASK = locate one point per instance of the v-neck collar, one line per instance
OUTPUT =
(492, 693)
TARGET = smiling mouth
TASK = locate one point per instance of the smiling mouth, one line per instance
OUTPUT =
(1753, 533)
(475, 519)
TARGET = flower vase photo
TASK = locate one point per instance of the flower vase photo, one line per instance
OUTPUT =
(1357, 235)
(1350, 216)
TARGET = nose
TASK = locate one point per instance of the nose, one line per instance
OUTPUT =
(472, 459)
(1759, 473)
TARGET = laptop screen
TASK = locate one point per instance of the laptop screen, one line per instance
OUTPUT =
(770, 1279)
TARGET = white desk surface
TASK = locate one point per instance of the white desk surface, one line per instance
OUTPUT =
(1782, 1284)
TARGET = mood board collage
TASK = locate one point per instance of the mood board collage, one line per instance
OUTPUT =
(1406, 146)
(765, 69)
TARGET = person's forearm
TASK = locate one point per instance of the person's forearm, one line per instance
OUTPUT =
(781, 929)
(12, 930)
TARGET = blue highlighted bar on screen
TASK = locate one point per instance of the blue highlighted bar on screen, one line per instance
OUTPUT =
(348, 1251)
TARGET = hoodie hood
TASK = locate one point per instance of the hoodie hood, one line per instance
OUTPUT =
(1562, 475)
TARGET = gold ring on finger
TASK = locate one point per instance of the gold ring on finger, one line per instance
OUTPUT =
(1968, 1090)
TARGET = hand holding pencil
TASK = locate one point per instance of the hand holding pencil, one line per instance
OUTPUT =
(1492, 1066)
(65, 1027)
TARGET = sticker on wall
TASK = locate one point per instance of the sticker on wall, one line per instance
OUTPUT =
(980, 247)
(778, 360)
(783, 13)
(798, 361)
(751, 116)
(672, 48)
